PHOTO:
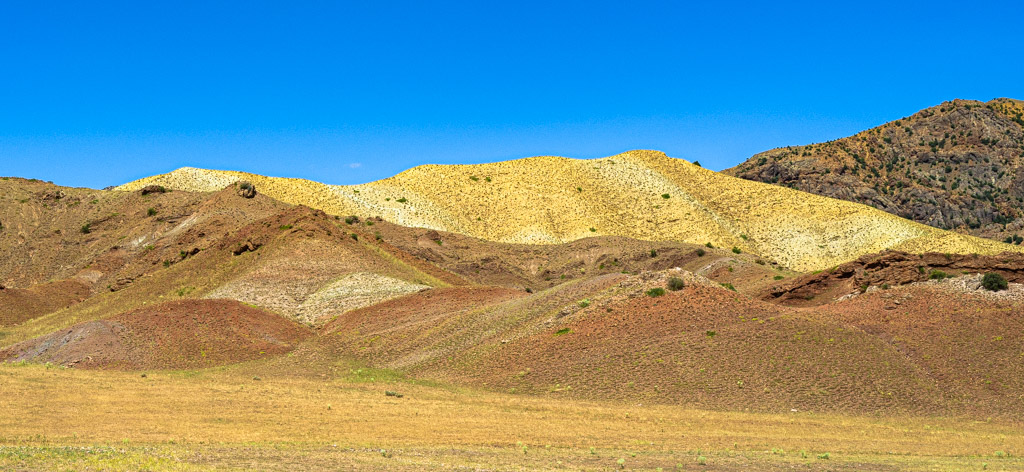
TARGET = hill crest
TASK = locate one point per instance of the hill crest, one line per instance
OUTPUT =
(638, 194)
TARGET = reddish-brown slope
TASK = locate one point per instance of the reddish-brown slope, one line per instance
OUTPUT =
(173, 335)
(702, 346)
(20, 305)
(971, 345)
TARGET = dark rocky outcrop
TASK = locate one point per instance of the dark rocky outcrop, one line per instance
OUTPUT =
(959, 165)
(891, 268)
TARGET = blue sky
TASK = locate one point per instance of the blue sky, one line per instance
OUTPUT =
(100, 93)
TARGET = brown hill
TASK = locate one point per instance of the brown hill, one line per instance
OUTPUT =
(174, 335)
(225, 278)
(704, 345)
(959, 165)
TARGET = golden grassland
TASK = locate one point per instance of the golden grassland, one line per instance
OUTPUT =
(225, 419)
(639, 194)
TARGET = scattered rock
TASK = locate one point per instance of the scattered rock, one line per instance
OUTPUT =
(247, 246)
(152, 189)
(246, 189)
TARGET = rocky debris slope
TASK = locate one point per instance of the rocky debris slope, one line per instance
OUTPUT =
(959, 165)
(639, 194)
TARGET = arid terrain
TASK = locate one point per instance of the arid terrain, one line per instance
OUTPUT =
(958, 165)
(632, 312)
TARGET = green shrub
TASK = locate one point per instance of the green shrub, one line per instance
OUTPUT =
(354, 236)
(779, 277)
(729, 286)
(401, 200)
(675, 283)
(665, 196)
(701, 252)
(708, 245)
(736, 250)
(350, 219)
(994, 282)
(563, 331)
(656, 292)
(474, 178)
(937, 275)
(85, 229)
(151, 211)
(285, 227)
(654, 253)
(584, 303)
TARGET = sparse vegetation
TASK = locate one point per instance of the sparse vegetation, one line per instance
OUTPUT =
(700, 252)
(736, 250)
(285, 227)
(151, 211)
(994, 282)
(676, 283)
(936, 274)
(85, 229)
(665, 196)
(655, 292)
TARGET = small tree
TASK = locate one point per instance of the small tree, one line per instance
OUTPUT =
(675, 283)
(994, 282)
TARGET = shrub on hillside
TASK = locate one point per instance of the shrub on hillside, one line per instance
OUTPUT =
(736, 250)
(994, 282)
(656, 292)
(937, 275)
(675, 283)
(701, 252)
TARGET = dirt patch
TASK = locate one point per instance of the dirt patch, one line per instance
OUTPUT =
(173, 335)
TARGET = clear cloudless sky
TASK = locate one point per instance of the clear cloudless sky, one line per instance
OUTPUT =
(99, 93)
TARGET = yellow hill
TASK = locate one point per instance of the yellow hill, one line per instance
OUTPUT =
(546, 199)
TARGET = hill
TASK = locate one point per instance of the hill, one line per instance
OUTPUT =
(958, 165)
(642, 195)
(237, 280)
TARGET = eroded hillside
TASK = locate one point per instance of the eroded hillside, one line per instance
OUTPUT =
(639, 194)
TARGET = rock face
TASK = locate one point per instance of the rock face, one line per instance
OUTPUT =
(891, 268)
(954, 166)
(152, 189)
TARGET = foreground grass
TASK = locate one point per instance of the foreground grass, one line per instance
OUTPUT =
(64, 419)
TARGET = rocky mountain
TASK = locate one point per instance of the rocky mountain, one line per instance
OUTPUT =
(954, 166)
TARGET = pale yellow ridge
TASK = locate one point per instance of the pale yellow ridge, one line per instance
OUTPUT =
(544, 200)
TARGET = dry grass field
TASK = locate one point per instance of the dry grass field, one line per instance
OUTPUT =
(226, 419)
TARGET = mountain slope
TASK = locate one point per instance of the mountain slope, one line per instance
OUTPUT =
(959, 165)
(639, 194)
